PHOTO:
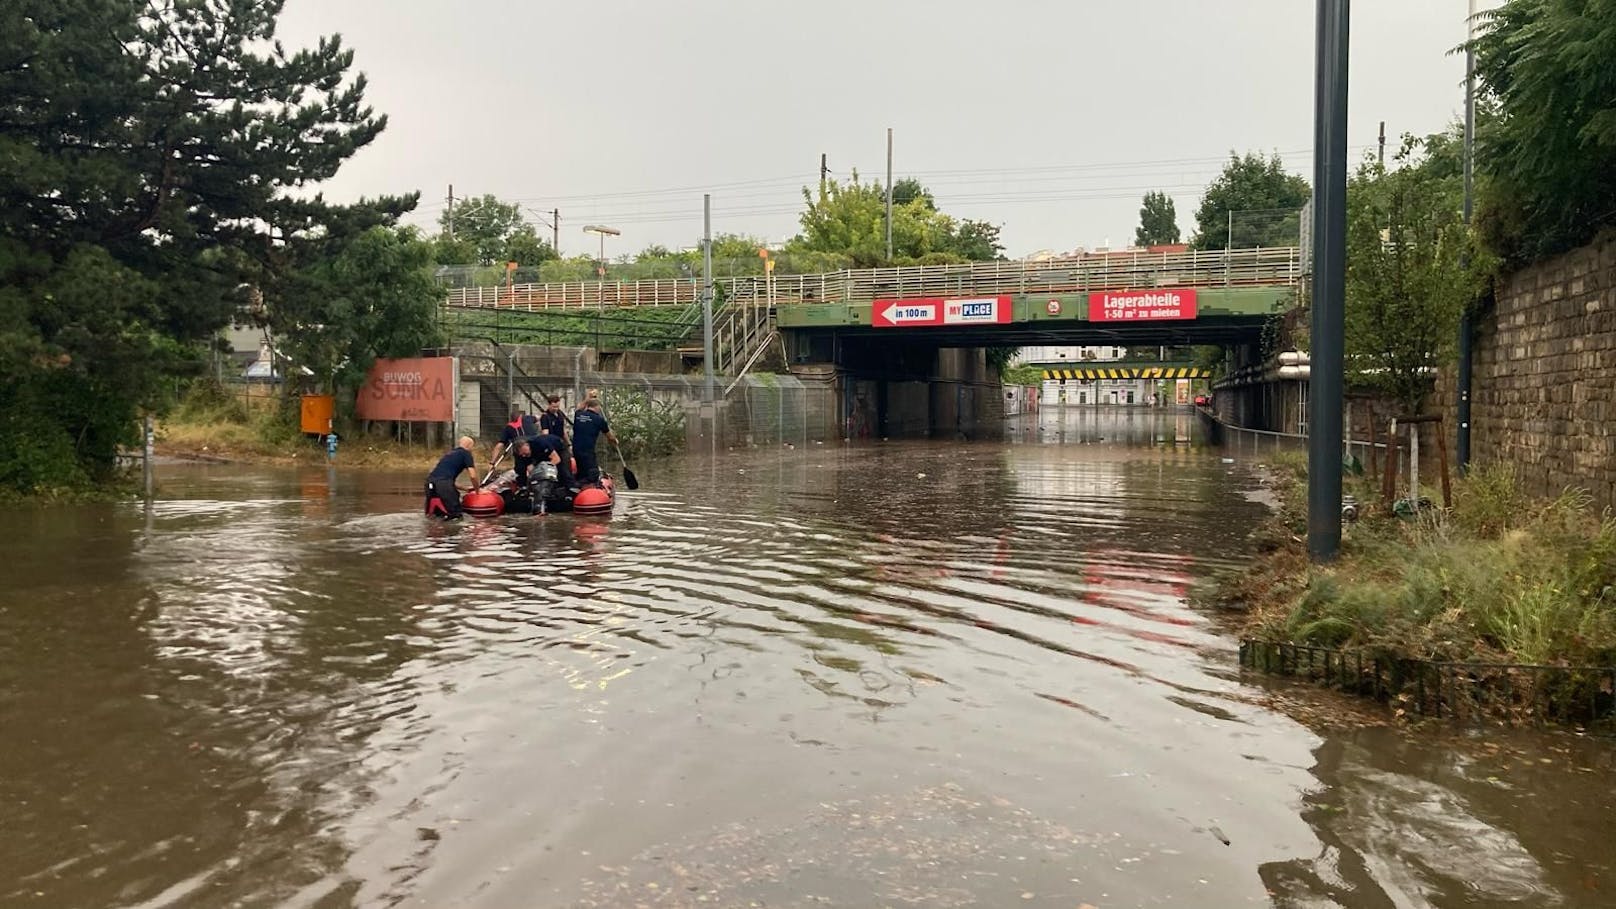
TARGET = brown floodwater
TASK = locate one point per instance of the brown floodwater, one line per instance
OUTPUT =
(901, 674)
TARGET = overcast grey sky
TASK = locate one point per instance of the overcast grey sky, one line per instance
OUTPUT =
(1049, 118)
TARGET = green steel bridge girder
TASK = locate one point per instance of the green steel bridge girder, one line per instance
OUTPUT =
(1214, 305)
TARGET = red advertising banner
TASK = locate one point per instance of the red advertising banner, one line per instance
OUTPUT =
(415, 390)
(933, 311)
(1155, 305)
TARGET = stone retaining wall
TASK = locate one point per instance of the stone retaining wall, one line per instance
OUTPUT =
(1543, 394)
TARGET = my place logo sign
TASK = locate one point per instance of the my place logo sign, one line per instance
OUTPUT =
(1156, 305)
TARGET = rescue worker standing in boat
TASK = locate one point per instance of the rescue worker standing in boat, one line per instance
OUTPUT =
(554, 423)
(587, 426)
(521, 426)
(440, 483)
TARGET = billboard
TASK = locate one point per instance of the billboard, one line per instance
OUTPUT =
(934, 311)
(1156, 305)
(413, 390)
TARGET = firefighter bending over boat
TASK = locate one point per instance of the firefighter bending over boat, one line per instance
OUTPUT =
(442, 495)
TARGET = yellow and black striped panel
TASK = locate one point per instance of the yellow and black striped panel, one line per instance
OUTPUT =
(1115, 373)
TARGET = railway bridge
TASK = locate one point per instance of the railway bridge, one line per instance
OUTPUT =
(908, 343)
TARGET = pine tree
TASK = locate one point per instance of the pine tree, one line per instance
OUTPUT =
(147, 157)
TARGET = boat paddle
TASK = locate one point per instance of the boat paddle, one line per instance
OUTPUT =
(629, 479)
(495, 466)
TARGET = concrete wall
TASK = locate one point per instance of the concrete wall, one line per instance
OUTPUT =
(915, 392)
(638, 361)
(893, 390)
(1543, 395)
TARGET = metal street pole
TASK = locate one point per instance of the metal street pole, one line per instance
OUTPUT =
(889, 195)
(1466, 353)
(1228, 250)
(707, 296)
(1325, 392)
(603, 232)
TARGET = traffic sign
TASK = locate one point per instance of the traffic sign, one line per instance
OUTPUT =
(934, 311)
(906, 313)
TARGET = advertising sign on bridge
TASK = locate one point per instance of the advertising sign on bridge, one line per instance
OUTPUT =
(415, 390)
(1155, 305)
(935, 311)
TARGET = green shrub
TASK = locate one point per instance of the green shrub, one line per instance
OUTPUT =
(647, 427)
(1543, 622)
(281, 424)
(207, 401)
(1332, 614)
(1501, 577)
(1489, 501)
(36, 456)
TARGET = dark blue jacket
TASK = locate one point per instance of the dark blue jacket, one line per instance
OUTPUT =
(587, 428)
(542, 447)
(525, 428)
(451, 465)
(553, 424)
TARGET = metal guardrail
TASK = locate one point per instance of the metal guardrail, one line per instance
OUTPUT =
(1093, 272)
(1239, 440)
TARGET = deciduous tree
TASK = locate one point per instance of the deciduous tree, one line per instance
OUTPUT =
(1158, 221)
(526, 248)
(1411, 268)
(1547, 125)
(375, 297)
(849, 220)
(1253, 202)
(487, 224)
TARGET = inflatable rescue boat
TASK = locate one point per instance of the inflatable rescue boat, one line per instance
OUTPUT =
(541, 495)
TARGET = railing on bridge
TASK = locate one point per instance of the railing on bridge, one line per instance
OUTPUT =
(580, 294)
(1095, 272)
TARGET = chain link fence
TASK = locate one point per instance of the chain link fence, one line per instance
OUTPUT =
(655, 413)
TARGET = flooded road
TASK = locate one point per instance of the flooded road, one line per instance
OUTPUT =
(890, 675)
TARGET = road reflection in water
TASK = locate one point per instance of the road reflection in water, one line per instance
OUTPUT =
(902, 674)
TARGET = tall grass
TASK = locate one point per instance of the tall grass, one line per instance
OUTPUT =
(1499, 577)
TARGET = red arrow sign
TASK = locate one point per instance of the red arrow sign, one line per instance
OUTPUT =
(906, 313)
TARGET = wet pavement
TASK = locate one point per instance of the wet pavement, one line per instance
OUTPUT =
(902, 674)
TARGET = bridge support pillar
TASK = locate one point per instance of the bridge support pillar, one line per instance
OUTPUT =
(911, 389)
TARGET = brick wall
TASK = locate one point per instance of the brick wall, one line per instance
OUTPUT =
(1543, 390)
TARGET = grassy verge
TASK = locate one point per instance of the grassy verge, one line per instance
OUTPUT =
(211, 426)
(1501, 577)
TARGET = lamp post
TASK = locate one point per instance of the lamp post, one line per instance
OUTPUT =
(1325, 398)
(1466, 330)
(603, 233)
